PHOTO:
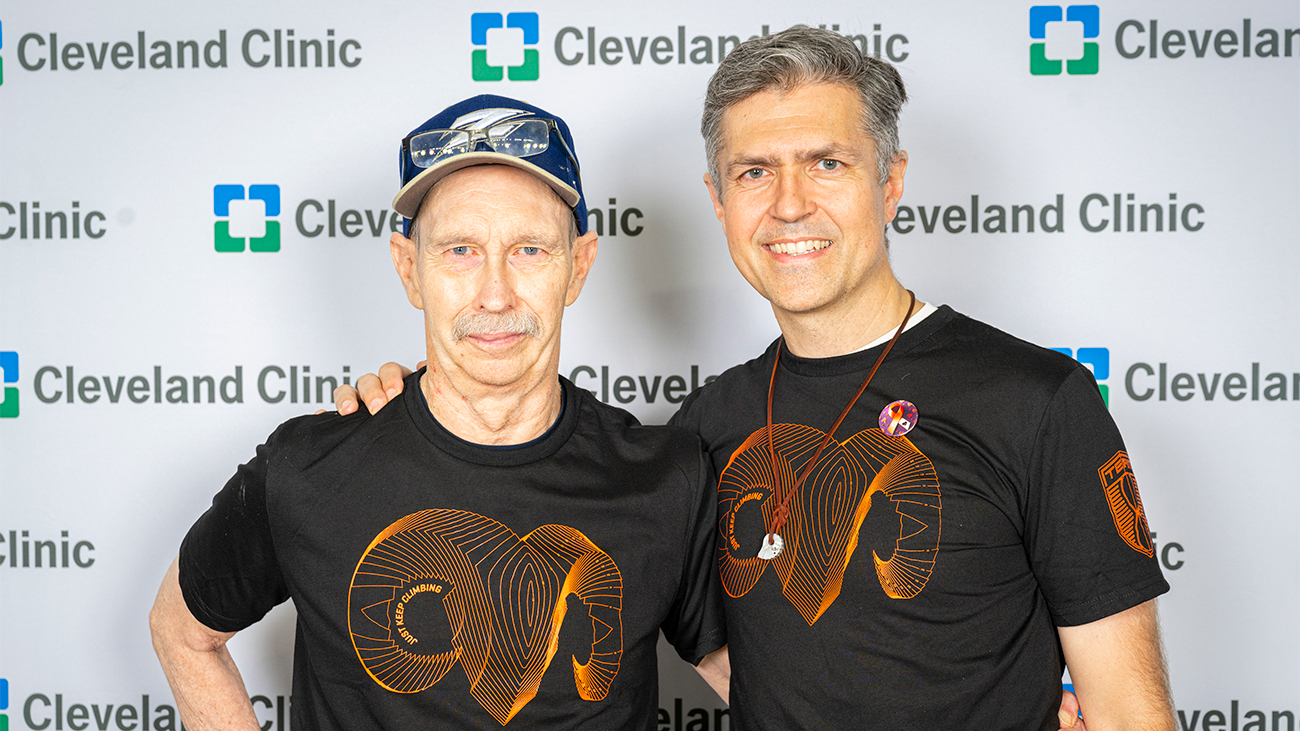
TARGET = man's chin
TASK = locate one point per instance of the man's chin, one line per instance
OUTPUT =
(497, 380)
(799, 301)
(499, 371)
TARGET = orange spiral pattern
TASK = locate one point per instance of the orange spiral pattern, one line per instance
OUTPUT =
(821, 533)
(505, 601)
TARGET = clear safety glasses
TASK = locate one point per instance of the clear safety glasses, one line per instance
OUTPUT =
(517, 138)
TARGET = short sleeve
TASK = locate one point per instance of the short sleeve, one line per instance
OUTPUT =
(1085, 529)
(695, 625)
(229, 574)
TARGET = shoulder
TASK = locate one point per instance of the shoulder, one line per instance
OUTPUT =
(305, 440)
(615, 432)
(995, 357)
(725, 390)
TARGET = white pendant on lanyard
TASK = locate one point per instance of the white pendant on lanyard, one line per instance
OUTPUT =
(772, 545)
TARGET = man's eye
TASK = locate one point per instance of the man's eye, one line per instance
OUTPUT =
(530, 250)
(753, 173)
(460, 250)
(830, 164)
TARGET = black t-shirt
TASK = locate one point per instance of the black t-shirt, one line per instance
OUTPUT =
(923, 576)
(444, 584)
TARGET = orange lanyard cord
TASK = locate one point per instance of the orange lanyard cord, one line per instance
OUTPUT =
(783, 511)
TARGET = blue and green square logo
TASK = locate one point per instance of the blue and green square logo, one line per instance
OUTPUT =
(2, 58)
(1099, 360)
(245, 221)
(1063, 39)
(4, 704)
(9, 407)
(505, 46)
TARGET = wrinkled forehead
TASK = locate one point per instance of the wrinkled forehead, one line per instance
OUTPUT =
(810, 96)
(494, 197)
(805, 119)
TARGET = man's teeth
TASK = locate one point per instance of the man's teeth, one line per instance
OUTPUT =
(799, 247)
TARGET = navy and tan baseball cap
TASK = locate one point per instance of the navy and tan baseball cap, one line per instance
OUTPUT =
(490, 130)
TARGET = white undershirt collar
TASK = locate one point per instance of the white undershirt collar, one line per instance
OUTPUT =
(926, 310)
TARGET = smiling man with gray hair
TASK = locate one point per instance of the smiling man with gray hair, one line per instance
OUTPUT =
(921, 516)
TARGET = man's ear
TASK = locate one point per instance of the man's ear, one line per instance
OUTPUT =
(894, 185)
(713, 193)
(404, 261)
(584, 255)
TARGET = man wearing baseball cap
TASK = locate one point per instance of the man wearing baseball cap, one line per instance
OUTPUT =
(502, 549)
(949, 513)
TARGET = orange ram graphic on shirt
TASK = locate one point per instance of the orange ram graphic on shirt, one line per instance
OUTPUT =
(445, 586)
(821, 533)
(1125, 503)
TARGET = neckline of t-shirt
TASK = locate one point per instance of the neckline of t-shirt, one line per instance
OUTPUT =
(486, 454)
(862, 359)
(926, 310)
(550, 430)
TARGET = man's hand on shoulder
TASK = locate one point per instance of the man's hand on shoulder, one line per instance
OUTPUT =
(375, 391)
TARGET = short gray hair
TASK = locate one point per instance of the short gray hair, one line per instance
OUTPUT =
(802, 55)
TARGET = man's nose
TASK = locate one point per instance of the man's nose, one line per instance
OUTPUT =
(793, 197)
(497, 291)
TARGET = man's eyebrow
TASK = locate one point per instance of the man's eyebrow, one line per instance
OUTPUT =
(753, 161)
(536, 240)
(836, 151)
(453, 239)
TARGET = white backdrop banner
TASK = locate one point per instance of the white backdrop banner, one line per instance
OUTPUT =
(194, 209)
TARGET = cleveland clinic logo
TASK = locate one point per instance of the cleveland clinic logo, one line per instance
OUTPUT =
(243, 220)
(1098, 359)
(9, 369)
(1064, 36)
(504, 46)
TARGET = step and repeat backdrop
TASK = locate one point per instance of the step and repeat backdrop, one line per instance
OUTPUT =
(194, 215)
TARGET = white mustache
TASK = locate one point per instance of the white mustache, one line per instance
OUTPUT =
(481, 323)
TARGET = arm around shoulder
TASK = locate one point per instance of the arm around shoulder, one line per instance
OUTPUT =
(209, 690)
(1118, 669)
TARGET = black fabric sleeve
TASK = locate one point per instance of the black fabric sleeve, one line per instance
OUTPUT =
(695, 625)
(687, 415)
(229, 574)
(1085, 530)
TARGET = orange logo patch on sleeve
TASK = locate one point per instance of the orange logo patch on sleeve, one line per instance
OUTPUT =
(1125, 503)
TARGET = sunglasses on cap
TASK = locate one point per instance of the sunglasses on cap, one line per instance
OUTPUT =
(516, 138)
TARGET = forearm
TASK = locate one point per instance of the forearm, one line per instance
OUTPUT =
(715, 668)
(209, 690)
(1118, 669)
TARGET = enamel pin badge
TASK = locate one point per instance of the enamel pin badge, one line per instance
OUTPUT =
(898, 418)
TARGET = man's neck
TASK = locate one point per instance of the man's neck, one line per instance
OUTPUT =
(848, 324)
(493, 415)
